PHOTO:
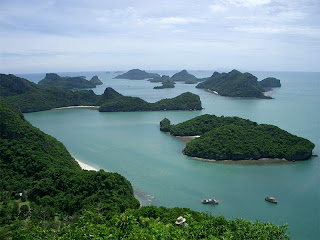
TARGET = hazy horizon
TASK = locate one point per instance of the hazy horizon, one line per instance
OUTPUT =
(71, 36)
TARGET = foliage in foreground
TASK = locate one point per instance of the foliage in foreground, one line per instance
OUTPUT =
(153, 223)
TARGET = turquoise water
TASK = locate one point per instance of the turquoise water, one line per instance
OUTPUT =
(132, 145)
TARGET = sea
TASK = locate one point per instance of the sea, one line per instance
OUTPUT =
(130, 143)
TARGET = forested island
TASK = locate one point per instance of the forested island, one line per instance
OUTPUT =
(137, 74)
(237, 84)
(45, 195)
(234, 138)
(31, 97)
(54, 80)
(166, 81)
(184, 76)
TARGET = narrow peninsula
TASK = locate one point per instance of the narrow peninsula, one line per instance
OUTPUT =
(234, 138)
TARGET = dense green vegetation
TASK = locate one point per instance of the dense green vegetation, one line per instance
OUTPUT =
(45, 195)
(270, 82)
(156, 223)
(185, 77)
(234, 138)
(54, 80)
(137, 74)
(234, 84)
(38, 166)
(185, 101)
(30, 98)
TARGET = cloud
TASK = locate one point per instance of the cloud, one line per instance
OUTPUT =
(218, 8)
(247, 3)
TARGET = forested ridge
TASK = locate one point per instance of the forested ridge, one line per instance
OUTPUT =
(234, 138)
(30, 97)
(185, 101)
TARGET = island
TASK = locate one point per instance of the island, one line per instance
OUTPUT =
(166, 81)
(54, 80)
(234, 138)
(45, 194)
(95, 80)
(137, 74)
(270, 82)
(184, 76)
(31, 97)
(234, 84)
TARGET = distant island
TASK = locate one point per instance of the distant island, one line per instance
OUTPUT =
(31, 97)
(234, 138)
(184, 76)
(237, 84)
(54, 80)
(137, 74)
(166, 81)
(270, 82)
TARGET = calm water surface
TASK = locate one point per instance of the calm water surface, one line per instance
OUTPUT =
(132, 145)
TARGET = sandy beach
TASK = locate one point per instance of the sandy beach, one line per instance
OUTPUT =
(82, 107)
(85, 166)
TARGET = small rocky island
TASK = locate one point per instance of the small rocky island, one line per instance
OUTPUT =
(166, 81)
(234, 138)
(237, 84)
(54, 80)
(137, 74)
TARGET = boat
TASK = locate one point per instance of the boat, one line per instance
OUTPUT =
(271, 199)
(211, 201)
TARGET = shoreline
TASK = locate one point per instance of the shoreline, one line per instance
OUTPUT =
(81, 107)
(255, 162)
(85, 166)
(268, 95)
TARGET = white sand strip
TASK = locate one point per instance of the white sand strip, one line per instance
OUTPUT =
(85, 166)
(83, 107)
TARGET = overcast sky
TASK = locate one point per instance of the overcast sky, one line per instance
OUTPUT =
(83, 35)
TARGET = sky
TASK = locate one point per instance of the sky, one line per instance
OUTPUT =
(105, 35)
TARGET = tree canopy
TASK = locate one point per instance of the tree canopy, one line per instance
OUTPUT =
(234, 138)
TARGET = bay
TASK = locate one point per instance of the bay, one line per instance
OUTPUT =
(132, 145)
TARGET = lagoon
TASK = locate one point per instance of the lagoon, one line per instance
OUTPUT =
(132, 145)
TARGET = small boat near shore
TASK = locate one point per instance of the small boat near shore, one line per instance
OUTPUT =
(210, 201)
(271, 199)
